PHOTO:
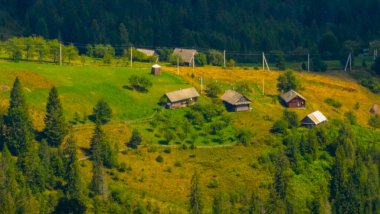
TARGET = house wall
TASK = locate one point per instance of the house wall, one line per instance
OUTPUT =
(297, 103)
(245, 107)
(182, 103)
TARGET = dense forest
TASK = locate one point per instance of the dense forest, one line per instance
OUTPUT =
(233, 25)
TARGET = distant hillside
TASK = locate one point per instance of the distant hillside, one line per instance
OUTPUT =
(234, 25)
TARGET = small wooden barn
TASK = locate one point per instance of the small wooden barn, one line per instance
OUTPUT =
(156, 70)
(235, 101)
(374, 109)
(292, 99)
(314, 119)
(181, 98)
(187, 55)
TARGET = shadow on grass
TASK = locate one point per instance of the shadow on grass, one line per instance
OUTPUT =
(163, 142)
(85, 151)
(137, 88)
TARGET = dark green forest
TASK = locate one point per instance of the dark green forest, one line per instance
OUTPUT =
(225, 24)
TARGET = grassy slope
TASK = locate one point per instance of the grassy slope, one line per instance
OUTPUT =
(81, 87)
(164, 183)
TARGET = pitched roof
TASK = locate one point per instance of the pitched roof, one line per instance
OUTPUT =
(234, 98)
(290, 95)
(146, 51)
(374, 109)
(183, 94)
(185, 54)
(316, 117)
(156, 66)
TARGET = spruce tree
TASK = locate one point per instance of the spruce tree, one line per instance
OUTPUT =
(97, 142)
(98, 182)
(101, 145)
(73, 187)
(19, 129)
(8, 183)
(55, 123)
(217, 204)
(196, 205)
(135, 140)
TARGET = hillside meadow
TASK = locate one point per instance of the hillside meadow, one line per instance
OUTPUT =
(234, 170)
(316, 88)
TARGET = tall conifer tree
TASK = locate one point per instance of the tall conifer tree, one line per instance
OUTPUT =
(55, 123)
(196, 205)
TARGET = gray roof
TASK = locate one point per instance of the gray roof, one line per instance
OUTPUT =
(316, 118)
(183, 94)
(185, 54)
(146, 51)
(290, 95)
(235, 98)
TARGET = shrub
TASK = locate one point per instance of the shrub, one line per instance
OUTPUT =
(244, 136)
(122, 167)
(167, 150)
(135, 139)
(213, 90)
(243, 88)
(213, 183)
(201, 59)
(280, 127)
(231, 63)
(140, 83)
(288, 81)
(374, 121)
(350, 117)
(291, 118)
(215, 57)
(333, 103)
(102, 112)
(159, 159)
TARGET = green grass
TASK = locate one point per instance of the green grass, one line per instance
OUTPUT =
(81, 86)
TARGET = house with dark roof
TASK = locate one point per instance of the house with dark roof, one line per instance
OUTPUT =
(181, 98)
(235, 101)
(314, 119)
(292, 99)
(187, 55)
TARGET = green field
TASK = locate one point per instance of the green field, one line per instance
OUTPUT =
(80, 88)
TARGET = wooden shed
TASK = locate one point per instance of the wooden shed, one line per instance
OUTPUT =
(292, 99)
(181, 98)
(235, 101)
(156, 70)
(187, 55)
(374, 109)
(314, 119)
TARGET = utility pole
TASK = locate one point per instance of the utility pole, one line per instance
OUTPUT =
(193, 61)
(265, 62)
(349, 62)
(308, 62)
(131, 57)
(60, 54)
(201, 79)
(178, 65)
(224, 58)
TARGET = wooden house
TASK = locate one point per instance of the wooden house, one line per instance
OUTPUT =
(314, 119)
(235, 101)
(181, 98)
(187, 55)
(292, 99)
(374, 109)
(156, 70)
